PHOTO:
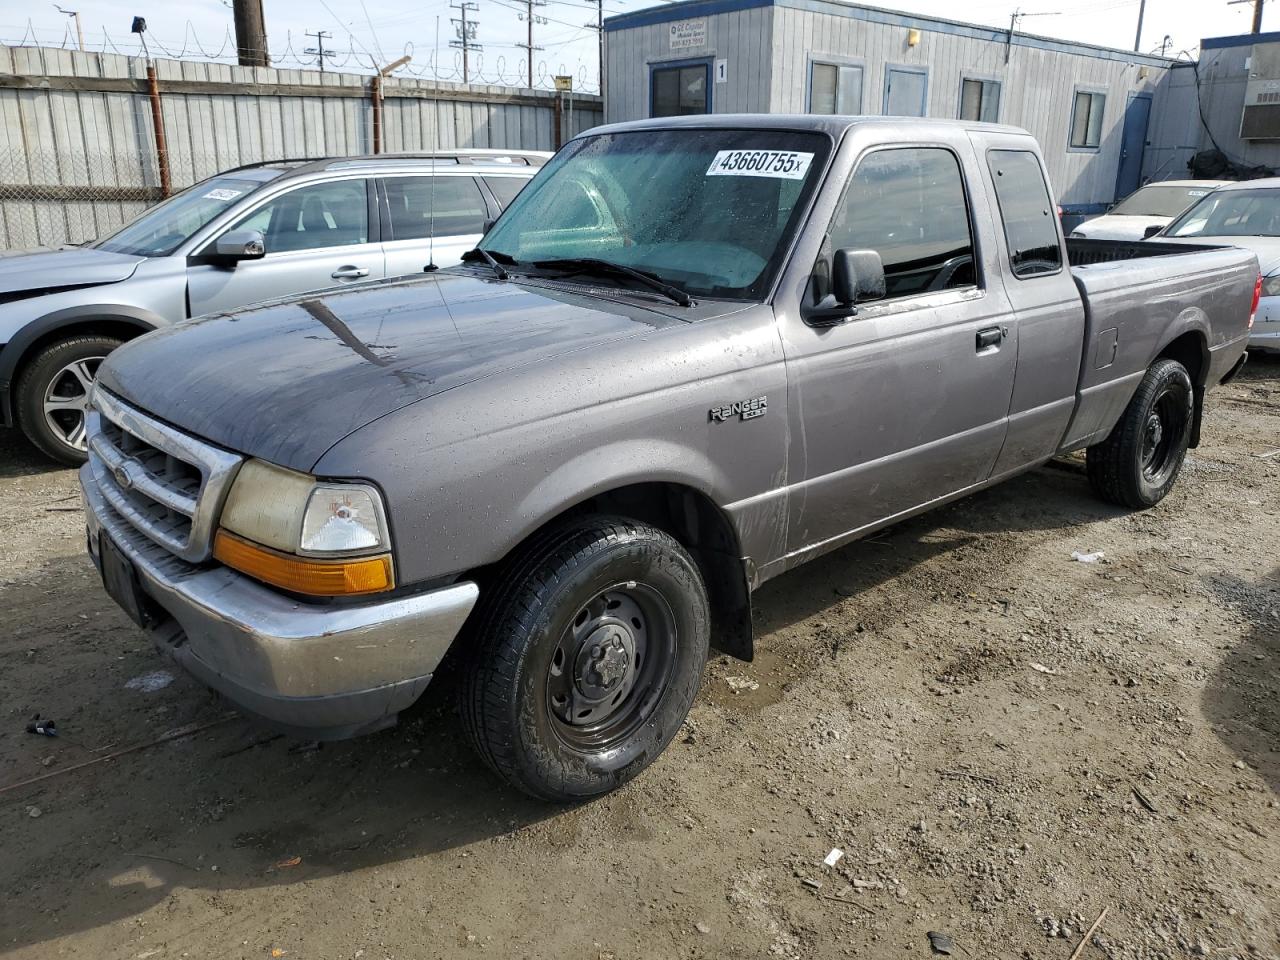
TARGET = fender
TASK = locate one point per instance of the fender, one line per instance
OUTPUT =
(1194, 322)
(144, 321)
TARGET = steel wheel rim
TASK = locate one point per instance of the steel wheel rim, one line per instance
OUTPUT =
(612, 663)
(66, 401)
(1162, 434)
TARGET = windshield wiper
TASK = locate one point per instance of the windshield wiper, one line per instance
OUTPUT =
(495, 260)
(592, 265)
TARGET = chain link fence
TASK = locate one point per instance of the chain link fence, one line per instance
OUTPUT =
(50, 199)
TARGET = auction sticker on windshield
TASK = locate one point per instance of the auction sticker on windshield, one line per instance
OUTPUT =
(222, 194)
(781, 164)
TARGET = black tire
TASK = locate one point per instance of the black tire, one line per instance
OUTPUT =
(1139, 462)
(516, 706)
(46, 370)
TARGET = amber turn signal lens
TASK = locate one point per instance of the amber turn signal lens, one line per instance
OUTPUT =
(319, 578)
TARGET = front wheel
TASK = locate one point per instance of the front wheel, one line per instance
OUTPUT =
(587, 658)
(51, 397)
(1138, 463)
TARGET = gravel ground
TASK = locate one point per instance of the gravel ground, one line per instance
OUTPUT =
(1002, 741)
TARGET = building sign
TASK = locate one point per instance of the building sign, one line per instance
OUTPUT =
(722, 71)
(689, 34)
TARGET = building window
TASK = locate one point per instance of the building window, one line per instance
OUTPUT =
(681, 91)
(909, 206)
(980, 100)
(835, 88)
(1086, 120)
(1029, 214)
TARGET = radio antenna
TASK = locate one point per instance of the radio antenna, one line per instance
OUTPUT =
(431, 210)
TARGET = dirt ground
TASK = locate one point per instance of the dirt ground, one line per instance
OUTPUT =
(1003, 741)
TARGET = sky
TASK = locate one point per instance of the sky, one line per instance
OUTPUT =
(365, 31)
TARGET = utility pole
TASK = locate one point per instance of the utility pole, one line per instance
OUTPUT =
(318, 50)
(600, 32)
(531, 19)
(1137, 38)
(251, 33)
(74, 15)
(1257, 12)
(466, 30)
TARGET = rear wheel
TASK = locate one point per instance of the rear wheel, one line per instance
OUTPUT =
(52, 395)
(1139, 462)
(588, 658)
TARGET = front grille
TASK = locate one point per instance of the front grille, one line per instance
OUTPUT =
(166, 484)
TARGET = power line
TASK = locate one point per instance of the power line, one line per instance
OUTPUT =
(466, 30)
(319, 50)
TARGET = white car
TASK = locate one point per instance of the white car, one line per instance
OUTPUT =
(1151, 206)
(1245, 214)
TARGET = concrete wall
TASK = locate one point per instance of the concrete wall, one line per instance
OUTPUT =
(1038, 82)
(77, 149)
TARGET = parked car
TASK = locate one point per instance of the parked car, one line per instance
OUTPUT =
(1152, 206)
(1245, 214)
(694, 353)
(250, 234)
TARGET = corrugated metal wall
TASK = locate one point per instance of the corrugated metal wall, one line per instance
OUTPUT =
(1223, 77)
(742, 37)
(77, 152)
(1037, 92)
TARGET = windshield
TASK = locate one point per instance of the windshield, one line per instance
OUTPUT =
(711, 211)
(1231, 213)
(166, 226)
(1158, 201)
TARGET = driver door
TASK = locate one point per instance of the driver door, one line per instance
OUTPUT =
(908, 400)
(317, 235)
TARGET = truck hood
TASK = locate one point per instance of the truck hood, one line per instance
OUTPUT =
(287, 380)
(1266, 249)
(36, 270)
(1113, 227)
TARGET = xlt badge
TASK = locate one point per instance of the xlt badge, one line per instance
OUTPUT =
(746, 409)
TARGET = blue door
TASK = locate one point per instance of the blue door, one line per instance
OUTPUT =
(1133, 144)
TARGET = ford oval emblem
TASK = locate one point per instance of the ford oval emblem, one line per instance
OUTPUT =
(121, 473)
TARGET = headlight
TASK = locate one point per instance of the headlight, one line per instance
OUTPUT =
(1271, 286)
(305, 535)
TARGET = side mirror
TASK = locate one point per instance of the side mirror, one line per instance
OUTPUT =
(1150, 232)
(857, 276)
(236, 245)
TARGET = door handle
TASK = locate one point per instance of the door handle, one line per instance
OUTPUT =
(350, 273)
(989, 337)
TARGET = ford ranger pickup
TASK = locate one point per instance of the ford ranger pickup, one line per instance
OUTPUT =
(692, 354)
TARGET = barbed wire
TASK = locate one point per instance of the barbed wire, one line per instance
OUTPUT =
(495, 72)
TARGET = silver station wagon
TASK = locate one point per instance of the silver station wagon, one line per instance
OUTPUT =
(255, 233)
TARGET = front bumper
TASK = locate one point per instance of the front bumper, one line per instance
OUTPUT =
(325, 671)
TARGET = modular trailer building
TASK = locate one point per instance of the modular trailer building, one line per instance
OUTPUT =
(1089, 106)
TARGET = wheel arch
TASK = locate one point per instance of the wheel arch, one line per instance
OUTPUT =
(697, 522)
(109, 319)
(1191, 349)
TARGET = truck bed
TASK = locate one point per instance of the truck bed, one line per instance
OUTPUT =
(1082, 252)
(1137, 298)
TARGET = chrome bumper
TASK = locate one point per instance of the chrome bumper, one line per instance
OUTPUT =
(326, 670)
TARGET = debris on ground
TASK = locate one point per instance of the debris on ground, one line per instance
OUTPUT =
(833, 857)
(43, 728)
(1142, 799)
(34, 812)
(291, 862)
(940, 942)
(738, 684)
(1041, 668)
(150, 682)
(1087, 557)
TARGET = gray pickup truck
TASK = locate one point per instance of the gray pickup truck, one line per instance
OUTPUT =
(691, 355)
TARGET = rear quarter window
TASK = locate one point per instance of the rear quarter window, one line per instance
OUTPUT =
(1027, 211)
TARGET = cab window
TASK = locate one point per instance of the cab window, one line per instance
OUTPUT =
(909, 206)
(1028, 213)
